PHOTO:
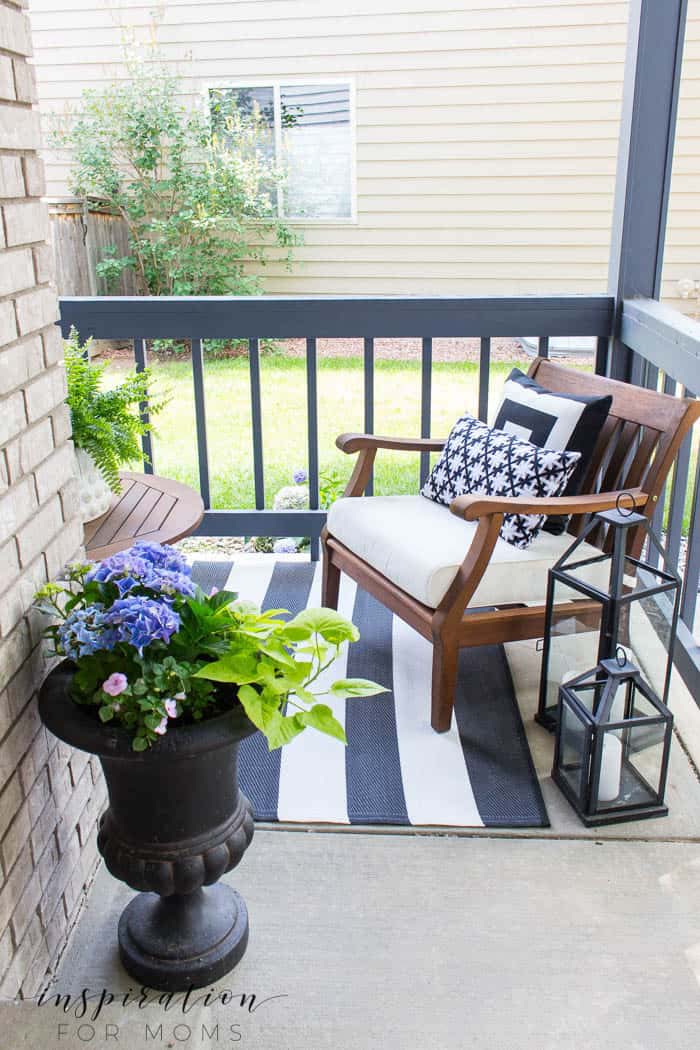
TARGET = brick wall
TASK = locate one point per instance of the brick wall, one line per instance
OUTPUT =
(49, 795)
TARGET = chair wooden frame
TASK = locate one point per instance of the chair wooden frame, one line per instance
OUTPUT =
(635, 452)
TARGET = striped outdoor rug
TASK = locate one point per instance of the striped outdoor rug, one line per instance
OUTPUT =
(395, 769)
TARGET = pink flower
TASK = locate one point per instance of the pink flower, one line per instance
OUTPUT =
(213, 591)
(171, 708)
(115, 684)
(162, 728)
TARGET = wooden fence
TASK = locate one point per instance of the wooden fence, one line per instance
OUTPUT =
(80, 235)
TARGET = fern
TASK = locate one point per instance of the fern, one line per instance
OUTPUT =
(106, 423)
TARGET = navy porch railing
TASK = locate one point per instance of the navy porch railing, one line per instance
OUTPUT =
(254, 318)
(666, 355)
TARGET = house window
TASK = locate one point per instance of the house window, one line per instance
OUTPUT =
(311, 138)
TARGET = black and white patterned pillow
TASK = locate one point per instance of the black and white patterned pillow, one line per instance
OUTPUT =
(568, 422)
(486, 462)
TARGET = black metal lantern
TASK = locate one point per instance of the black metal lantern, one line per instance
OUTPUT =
(597, 603)
(612, 745)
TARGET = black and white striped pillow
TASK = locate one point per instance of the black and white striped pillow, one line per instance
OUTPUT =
(567, 422)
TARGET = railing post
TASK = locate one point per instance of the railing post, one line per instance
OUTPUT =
(200, 415)
(484, 376)
(147, 438)
(601, 355)
(256, 422)
(312, 424)
(368, 380)
(426, 396)
(645, 155)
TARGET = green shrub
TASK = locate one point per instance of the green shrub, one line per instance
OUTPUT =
(216, 348)
(198, 203)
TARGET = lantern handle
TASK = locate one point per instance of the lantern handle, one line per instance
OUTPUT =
(626, 512)
(620, 656)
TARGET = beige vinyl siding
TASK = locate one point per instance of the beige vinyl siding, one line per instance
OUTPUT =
(486, 133)
(682, 255)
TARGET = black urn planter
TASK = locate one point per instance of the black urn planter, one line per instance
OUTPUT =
(176, 822)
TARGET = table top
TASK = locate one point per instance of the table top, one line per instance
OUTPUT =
(149, 508)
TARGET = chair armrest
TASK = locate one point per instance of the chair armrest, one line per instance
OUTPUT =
(358, 442)
(475, 506)
(368, 444)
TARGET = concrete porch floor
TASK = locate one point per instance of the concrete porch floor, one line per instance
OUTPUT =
(446, 943)
(501, 940)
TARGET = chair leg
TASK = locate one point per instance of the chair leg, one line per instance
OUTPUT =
(445, 660)
(330, 580)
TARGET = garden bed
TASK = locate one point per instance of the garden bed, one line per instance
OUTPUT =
(444, 350)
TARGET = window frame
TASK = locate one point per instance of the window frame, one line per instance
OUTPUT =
(276, 84)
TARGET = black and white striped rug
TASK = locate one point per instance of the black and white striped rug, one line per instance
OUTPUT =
(395, 769)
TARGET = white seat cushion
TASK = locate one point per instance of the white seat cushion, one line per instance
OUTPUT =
(419, 545)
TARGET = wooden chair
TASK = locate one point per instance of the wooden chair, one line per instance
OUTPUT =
(635, 451)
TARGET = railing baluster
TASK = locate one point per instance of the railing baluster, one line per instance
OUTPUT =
(484, 376)
(678, 494)
(200, 415)
(312, 416)
(637, 369)
(602, 348)
(691, 579)
(146, 439)
(426, 391)
(652, 377)
(657, 524)
(256, 420)
(369, 399)
(658, 518)
(543, 346)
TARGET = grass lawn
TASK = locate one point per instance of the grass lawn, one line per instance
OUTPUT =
(340, 395)
(340, 408)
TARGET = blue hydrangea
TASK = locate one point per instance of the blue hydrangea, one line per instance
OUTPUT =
(167, 582)
(285, 546)
(86, 631)
(125, 569)
(133, 568)
(162, 556)
(299, 476)
(138, 621)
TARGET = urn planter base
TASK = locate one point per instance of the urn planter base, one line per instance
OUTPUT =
(176, 823)
(177, 942)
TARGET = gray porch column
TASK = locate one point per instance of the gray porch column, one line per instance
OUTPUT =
(647, 130)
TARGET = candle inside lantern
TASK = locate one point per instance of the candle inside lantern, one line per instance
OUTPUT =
(610, 768)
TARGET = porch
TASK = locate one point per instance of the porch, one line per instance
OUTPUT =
(426, 936)
(405, 960)
(591, 938)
